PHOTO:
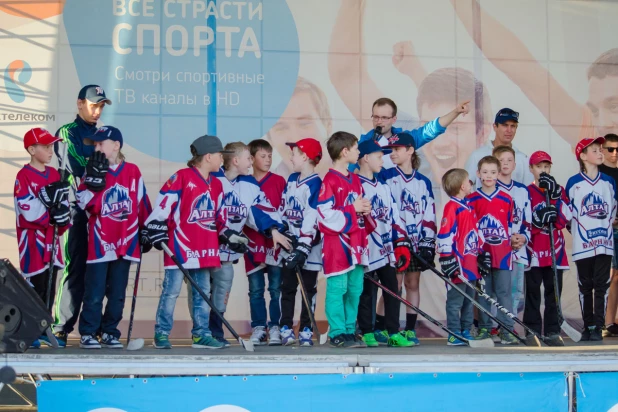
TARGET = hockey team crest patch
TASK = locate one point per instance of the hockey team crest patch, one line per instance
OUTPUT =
(117, 204)
(295, 213)
(594, 206)
(378, 210)
(471, 245)
(493, 231)
(517, 214)
(409, 203)
(203, 212)
(236, 210)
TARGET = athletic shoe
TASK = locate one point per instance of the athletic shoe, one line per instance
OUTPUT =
(397, 340)
(109, 341)
(586, 334)
(161, 341)
(258, 337)
(467, 334)
(381, 336)
(337, 341)
(495, 335)
(226, 343)
(411, 336)
(474, 331)
(358, 338)
(36, 344)
(370, 340)
(349, 341)
(304, 337)
(611, 331)
(274, 336)
(507, 338)
(287, 336)
(45, 340)
(453, 341)
(483, 333)
(596, 335)
(554, 339)
(89, 342)
(206, 342)
(61, 337)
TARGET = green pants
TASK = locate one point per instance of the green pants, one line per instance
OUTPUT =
(342, 297)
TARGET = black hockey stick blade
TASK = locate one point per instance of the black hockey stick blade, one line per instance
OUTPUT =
(571, 332)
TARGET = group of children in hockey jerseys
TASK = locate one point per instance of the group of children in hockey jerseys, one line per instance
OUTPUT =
(377, 223)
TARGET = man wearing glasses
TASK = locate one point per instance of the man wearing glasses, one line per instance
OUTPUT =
(505, 128)
(384, 116)
(610, 168)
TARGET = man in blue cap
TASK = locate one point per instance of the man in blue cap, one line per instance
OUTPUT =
(91, 101)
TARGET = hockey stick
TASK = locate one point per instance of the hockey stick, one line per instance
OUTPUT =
(571, 332)
(531, 334)
(473, 343)
(533, 342)
(247, 344)
(321, 338)
(136, 344)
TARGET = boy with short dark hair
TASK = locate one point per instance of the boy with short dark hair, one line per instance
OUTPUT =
(344, 221)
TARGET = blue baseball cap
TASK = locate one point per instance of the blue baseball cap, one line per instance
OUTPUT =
(371, 146)
(401, 140)
(506, 114)
(94, 94)
(104, 133)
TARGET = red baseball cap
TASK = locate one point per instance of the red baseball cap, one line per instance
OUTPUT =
(39, 136)
(538, 157)
(584, 143)
(309, 146)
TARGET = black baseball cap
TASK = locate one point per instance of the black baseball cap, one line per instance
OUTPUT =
(400, 140)
(104, 133)
(94, 94)
(371, 146)
(207, 145)
(506, 114)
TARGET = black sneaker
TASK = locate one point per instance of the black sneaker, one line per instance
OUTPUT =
(350, 341)
(585, 335)
(611, 331)
(337, 341)
(359, 339)
(554, 339)
(226, 343)
(596, 334)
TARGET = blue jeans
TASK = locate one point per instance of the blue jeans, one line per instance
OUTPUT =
(105, 279)
(498, 283)
(200, 311)
(257, 302)
(517, 288)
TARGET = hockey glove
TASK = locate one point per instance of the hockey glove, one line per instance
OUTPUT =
(427, 251)
(483, 260)
(156, 231)
(402, 253)
(96, 169)
(60, 215)
(53, 194)
(236, 242)
(297, 258)
(450, 266)
(548, 183)
(544, 216)
(144, 240)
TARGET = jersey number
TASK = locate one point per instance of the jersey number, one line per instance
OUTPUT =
(163, 203)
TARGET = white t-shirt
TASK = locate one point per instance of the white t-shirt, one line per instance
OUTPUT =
(521, 173)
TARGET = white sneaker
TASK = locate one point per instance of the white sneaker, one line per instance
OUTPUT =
(274, 338)
(304, 337)
(287, 336)
(258, 337)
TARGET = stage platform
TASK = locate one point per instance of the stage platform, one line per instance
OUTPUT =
(432, 356)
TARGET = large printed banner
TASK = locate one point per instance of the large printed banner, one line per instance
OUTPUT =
(596, 392)
(305, 393)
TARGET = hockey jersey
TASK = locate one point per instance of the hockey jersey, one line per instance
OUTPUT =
(414, 198)
(115, 214)
(259, 246)
(538, 247)
(34, 232)
(344, 233)
(522, 216)
(385, 213)
(299, 209)
(244, 203)
(191, 205)
(459, 235)
(495, 213)
(593, 206)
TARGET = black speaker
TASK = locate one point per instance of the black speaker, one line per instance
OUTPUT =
(22, 313)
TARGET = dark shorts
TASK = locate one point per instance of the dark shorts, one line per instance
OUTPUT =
(415, 265)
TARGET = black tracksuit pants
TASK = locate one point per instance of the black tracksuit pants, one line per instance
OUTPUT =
(536, 277)
(387, 276)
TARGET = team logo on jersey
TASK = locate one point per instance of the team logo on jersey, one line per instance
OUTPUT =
(378, 210)
(517, 214)
(17, 186)
(172, 180)
(350, 199)
(203, 212)
(493, 231)
(594, 206)
(294, 213)
(409, 203)
(236, 210)
(117, 204)
(471, 243)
